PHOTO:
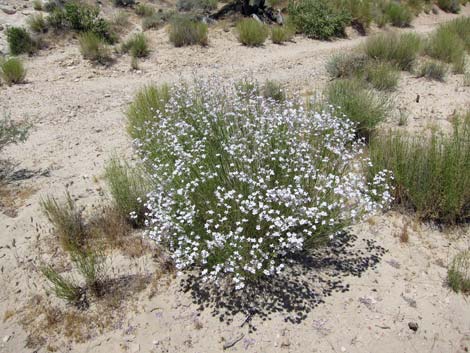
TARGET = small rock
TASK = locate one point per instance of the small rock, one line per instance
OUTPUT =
(413, 326)
(8, 11)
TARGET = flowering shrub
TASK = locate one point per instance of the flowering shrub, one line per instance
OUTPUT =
(242, 180)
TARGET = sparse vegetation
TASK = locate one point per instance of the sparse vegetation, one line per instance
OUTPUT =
(281, 34)
(37, 23)
(449, 5)
(400, 50)
(346, 65)
(64, 288)
(137, 46)
(184, 30)
(93, 48)
(20, 41)
(364, 107)
(128, 187)
(37, 5)
(196, 5)
(431, 175)
(12, 71)
(90, 264)
(251, 32)
(274, 90)
(398, 14)
(145, 10)
(67, 221)
(11, 132)
(433, 70)
(458, 275)
(382, 76)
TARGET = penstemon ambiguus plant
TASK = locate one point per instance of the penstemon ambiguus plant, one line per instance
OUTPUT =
(243, 180)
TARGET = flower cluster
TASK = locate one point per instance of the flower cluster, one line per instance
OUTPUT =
(242, 180)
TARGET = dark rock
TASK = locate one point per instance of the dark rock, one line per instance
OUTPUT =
(413, 326)
(8, 11)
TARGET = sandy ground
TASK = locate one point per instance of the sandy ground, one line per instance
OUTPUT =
(77, 113)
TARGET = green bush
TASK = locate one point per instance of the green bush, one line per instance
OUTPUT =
(398, 49)
(346, 65)
(94, 48)
(458, 275)
(398, 14)
(20, 41)
(281, 34)
(184, 30)
(360, 11)
(382, 75)
(64, 288)
(128, 187)
(452, 6)
(362, 106)
(195, 5)
(37, 23)
(431, 175)
(137, 45)
(12, 71)
(144, 10)
(251, 32)
(318, 19)
(433, 70)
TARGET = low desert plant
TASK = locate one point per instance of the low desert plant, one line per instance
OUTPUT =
(66, 219)
(157, 20)
(120, 20)
(128, 187)
(62, 287)
(37, 5)
(241, 181)
(196, 5)
(281, 34)
(37, 23)
(12, 71)
(458, 275)
(364, 107)
(433, 70)
(398, 14)
(51, 5)
(382, 76)
(93, 48)
(346, 65)
(251, 32)
(274, 90)
(11, 132)
(184, 30)
(137, 46)
(318, 19)
(452, 6)
(400, 50)
(431, 174)
(20, 41)
(90, 264)
(360, 12)
(144, 10)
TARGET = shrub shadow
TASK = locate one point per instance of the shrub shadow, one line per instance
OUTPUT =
(304, 284)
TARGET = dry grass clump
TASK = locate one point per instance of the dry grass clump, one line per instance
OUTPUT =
(458, 275)
(145, 10)
(282, 34)
(251, 32)
(382, 75)
(433, 70)
(37, 23)
(137, 46)
(347, 65)
(94, 48)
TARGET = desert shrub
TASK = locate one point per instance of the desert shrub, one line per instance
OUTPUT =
(141, 111)
(346, 65)
(128, 187)
(242, 181)
(37, 5)
(431, 175)
(156, 20)
(51, 5)
(433, 70)
(119, 21)
(90, 264)
(382, 76)
(398, 14)
(20, 41)
(449, 5)
(94, 48)
(184, 30)
(318, 19)
(281, 34)
(398, 49)
(12, 71)
(360, 12)
(195, 5)
(66, 219)
(137, 45)
(37, 23)
(251, 32)
(144, 10)
(274, 90)
(11, 132)
(62, 287)
(461, 27)
(458, 275)
(123, 3)
(56, 19)
(359, 104)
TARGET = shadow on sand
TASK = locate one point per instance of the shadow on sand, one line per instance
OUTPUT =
(306, 282)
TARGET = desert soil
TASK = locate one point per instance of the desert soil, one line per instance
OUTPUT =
(77, 112)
